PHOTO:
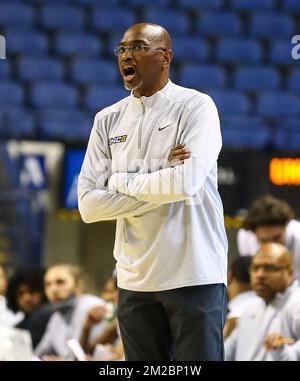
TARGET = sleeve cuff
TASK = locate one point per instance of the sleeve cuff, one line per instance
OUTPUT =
(118, 183)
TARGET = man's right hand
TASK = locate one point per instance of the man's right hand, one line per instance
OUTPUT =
(95, 315)
(178, 154)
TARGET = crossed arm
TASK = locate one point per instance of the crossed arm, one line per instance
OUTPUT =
(176, 183)
(95, 201)
(132, 194)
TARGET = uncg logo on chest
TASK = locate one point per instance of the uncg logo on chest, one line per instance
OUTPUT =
(117, 139)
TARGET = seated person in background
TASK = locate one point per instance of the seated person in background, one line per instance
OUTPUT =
(109, 289)
(111, 335)
(25, 293)
(7, 317)
(270, 220)
(239, 291)
(3, 280)
(64, 287)
(270, 328)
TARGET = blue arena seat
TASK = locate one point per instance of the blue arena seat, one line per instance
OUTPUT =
(173, 21)
(200, 4)
(187, 48)
(238, 50)
(252, 5)
(222, 23)
(291, 5)
(244, 132)
(94, 71)
(244, 124)
(287, 140)
(16, 123)
(52, 94)
(95, 2)
(29, 42)
(269, 25)
(291, 123)
(99, 97)
(256, 78)
(278, 104)
(202, 77)
(11, 94)
(230, 102)
(251, 139)
(54, 2)
(287, 135)
(80, 44)
(281, 52)
(16, 15)
(294, 80)
(4, 69)
(69, 126)
(62, 17)
(145, 3)
(112, 20)
(40, 68)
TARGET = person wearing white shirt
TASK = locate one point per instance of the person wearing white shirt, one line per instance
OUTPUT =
(239, 292)
(171, 245)
(270, 328)
(63, 287)
(270, 220)
(7, 317)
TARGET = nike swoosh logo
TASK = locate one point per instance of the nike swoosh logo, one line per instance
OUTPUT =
(162, 128)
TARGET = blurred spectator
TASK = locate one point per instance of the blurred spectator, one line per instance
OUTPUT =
(109, 341)
(239, 291)
(25, 293)
(3, 280)
(270, 328)
(270, 220)
(7, 317)
(110, 288)
(64, 286)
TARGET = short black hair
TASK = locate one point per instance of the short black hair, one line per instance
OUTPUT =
(268, 211)
(32, 277)
(240, 268)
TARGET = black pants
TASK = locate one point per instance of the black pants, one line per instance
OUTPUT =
(181, 324)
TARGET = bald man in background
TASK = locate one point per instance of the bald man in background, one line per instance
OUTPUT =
(151, 164)
(270, 329)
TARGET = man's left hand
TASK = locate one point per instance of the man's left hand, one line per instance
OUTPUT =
(275, 341)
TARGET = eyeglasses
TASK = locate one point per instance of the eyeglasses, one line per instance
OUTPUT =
(268, 268)
(135, 49)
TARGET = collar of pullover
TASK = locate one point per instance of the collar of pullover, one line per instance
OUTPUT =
(149, 101)
(281, 297)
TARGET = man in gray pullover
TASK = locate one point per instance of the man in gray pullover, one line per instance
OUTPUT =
(171, 246)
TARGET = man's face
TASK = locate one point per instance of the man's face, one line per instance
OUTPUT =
(28, 300)
(266, 234)
(269, 274)
(59, 284)
(141, 70)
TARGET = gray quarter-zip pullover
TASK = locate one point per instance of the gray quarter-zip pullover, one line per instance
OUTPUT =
(170, 227)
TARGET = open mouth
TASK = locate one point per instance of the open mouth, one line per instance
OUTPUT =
(128, 73)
